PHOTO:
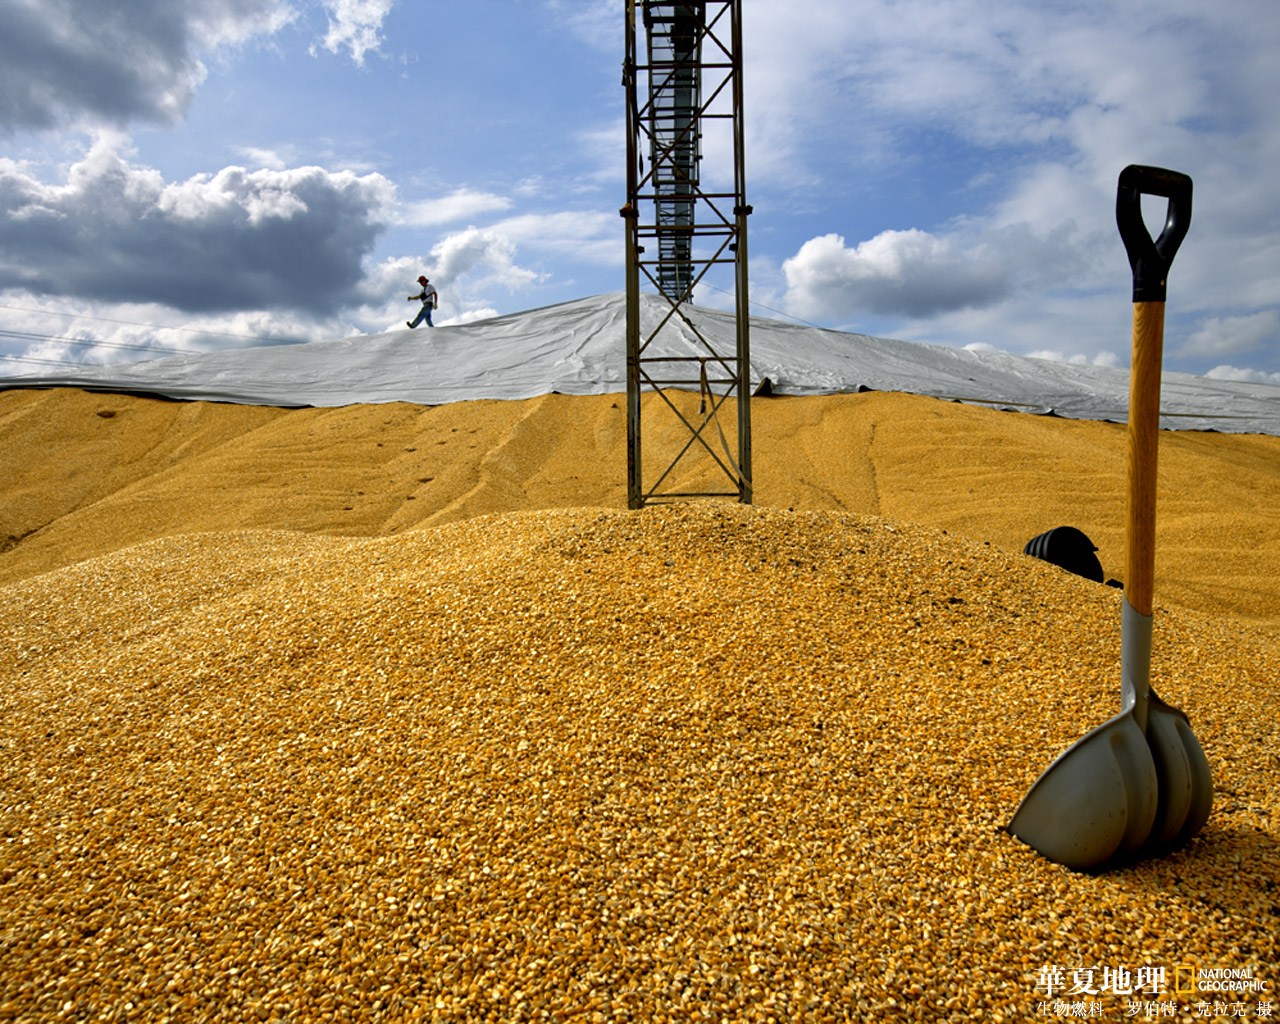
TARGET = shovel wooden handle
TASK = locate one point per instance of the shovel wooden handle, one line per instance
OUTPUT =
(1150, 261)
(1144, 443)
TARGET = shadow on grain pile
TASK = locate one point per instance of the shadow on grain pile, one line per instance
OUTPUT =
(743, 763)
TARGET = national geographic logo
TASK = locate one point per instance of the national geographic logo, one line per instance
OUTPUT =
(1190, 980)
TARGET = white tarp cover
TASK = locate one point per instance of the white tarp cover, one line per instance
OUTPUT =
(578, 348)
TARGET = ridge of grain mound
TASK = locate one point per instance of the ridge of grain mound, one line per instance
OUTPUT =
(694, 762)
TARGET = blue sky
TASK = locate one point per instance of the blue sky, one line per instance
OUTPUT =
(212, 173)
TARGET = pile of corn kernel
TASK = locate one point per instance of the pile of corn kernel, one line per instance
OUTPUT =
(698, 762)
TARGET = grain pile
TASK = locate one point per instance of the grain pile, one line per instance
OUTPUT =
(83, 475)
(691, 763)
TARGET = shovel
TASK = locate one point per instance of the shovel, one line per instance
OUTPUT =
(1137, 785)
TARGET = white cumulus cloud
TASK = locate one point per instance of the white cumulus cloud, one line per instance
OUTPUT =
(83, 61)
(908, 272)
(355, 26)
(484, 255)
(1231, 335)
(233, 239)
(1228, 372)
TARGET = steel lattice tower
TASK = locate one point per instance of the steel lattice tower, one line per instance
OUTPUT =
(678, 229)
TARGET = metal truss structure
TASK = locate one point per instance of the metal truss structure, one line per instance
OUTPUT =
(679, 230)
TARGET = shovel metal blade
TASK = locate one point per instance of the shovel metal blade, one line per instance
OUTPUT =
(1096, 802)
(1186, 785)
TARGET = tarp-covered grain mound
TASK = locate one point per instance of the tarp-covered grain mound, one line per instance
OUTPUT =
(578, 348)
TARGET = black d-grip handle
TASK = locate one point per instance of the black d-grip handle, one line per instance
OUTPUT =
(1149, 259)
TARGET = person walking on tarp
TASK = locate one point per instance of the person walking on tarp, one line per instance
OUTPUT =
(429, 299)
